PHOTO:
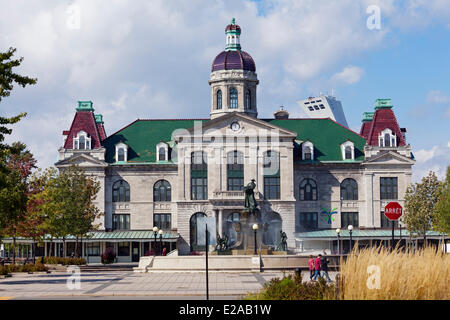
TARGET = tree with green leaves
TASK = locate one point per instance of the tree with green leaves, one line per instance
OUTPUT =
(66, 203)
(7, 80)
(420, 201)
(441, 221)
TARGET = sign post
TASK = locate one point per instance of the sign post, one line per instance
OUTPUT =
(393, 211)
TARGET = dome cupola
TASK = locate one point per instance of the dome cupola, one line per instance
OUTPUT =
(233, 77)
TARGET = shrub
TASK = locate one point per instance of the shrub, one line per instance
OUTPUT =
(64, 261)
(292, 287)
(10, 268)
(108, 256)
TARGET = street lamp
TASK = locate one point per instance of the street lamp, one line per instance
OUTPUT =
(338, 232)
(155, 232)
(350, 229)
(160, 242)
(255, 228)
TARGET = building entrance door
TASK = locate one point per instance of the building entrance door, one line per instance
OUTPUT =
(135, 252)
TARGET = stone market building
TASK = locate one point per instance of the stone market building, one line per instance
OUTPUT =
(313, 175)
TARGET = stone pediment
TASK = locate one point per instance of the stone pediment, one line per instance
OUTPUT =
(389, 157)
(81, 160)
(246, 126)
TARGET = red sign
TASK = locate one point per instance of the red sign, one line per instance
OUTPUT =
(393, 211)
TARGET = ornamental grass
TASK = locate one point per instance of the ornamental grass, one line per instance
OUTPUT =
(379, 274)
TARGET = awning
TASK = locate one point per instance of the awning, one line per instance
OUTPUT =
(363, 234)
(113, 236)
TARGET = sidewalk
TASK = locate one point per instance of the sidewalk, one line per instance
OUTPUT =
(128, 284)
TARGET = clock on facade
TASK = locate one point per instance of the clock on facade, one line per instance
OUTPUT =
(235, 126)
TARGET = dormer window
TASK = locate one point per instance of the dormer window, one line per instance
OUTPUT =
(162, 152)
(307, 150)
(121, 152)
(348, 150)
(387, 138)
(82, 141)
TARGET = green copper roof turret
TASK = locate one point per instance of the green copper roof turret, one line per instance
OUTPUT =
(85, 106)
(367, 116)
(383, 104)
(98, 118)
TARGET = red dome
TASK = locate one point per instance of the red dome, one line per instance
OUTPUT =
(237, 60)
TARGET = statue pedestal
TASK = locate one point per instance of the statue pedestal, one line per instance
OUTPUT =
(246, 235)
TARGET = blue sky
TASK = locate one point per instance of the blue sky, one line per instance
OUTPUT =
(152, 59)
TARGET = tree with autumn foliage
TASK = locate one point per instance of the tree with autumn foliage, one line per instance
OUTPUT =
(18, 164)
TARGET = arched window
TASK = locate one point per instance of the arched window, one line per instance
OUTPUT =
(121, 191)
(199, 176)
(233, 98)
(308, 190)
(162, 191)
(232, 223)
(349, 190)
(82, 143)
(248, 100)
(308, 153)
(162, 154)
(120, 154)
(219, 99)
(235, 171)
(387, 138)
(195, 233)
(308, 150)
(348, 153)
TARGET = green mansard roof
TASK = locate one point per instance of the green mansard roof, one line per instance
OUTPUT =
(142, 136)
(326, 135)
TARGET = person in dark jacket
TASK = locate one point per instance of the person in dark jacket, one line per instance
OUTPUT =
(324, 267)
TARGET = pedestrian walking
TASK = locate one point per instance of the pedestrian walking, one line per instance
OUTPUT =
(317, 267)
(311, 267)
(324, 267)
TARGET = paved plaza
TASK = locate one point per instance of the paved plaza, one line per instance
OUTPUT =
(131, 285)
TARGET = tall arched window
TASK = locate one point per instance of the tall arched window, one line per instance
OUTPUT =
(120, 154)
(308, 190)
(219, 99)
(162, 154)
(308, 153)
(195, 234)
(162, 191)
(121, 191)
(233, 98)
(348, 153)
(248, 100)
(199, 176)
(271, 172)
(235, 171)
(349, 190)
(82, 143)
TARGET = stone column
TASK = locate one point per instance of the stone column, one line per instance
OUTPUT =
(220, 222)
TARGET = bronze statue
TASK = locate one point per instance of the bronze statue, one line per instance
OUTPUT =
(250, 201)
(283, 244)
(222, 243)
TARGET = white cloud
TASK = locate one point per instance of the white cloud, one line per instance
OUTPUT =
(436, 96)
(349, 75)
(148, 59)
(435, 159)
